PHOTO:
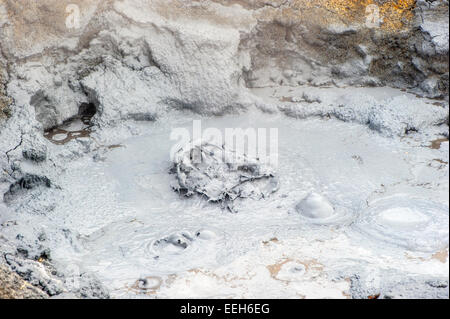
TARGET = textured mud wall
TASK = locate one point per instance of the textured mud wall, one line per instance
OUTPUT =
(401, 43)
(204, 52)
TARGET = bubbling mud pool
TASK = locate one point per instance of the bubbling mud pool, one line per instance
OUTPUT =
(349, 200)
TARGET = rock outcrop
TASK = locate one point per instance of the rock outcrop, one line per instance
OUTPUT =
(13, 286)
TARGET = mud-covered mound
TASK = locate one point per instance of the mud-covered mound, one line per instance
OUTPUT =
(222, 175)
(90, 202)
(315, 206)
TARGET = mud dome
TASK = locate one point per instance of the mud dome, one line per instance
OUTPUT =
(357, 207)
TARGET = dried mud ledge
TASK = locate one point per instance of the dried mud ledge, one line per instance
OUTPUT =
(136, 59)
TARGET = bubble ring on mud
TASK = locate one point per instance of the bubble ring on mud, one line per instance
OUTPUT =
(408, 222)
